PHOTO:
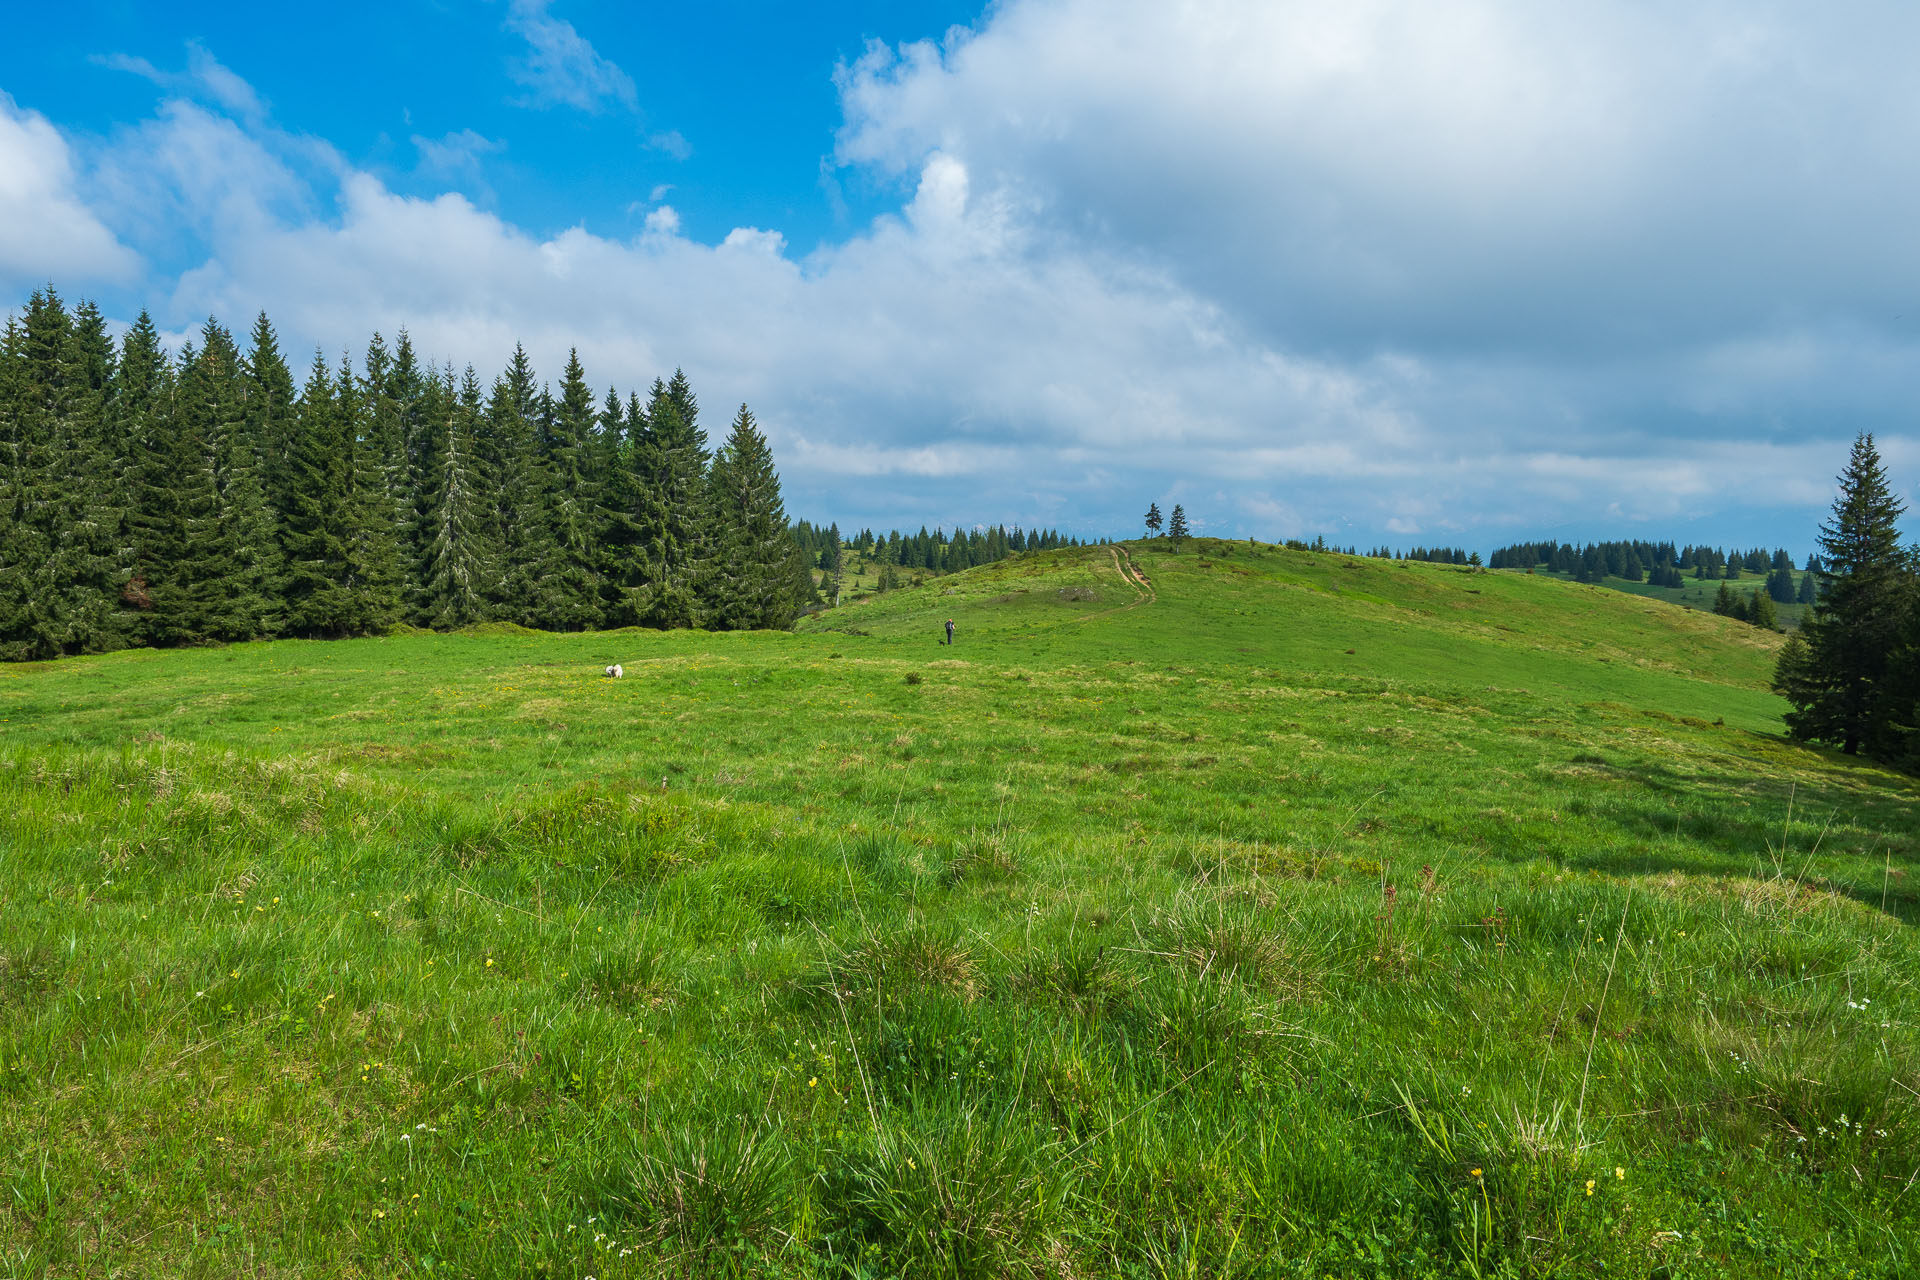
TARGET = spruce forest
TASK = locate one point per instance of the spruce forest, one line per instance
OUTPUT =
(165, 500)
(149, 500)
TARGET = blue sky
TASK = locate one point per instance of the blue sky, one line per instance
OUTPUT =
(1384, 270)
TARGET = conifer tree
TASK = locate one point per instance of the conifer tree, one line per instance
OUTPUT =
(1153, 519)
(513, 457)
(753, 580)
(317, 526)
(145, 404)
(1842, 695)
(21, 545)
(672, 519)
(93, 543)
(60, 532)
(270, 398)
(221, 583)
(374, 573)
(1177, 525)
(458, 560)
(567, 592)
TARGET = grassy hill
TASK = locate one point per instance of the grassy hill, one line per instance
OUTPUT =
(1699, 593)
(1282, 913)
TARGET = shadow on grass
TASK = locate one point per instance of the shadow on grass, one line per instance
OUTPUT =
(1843, 835)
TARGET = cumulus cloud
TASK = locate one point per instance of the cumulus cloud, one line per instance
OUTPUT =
(560, 66)
(1386, 174)
(46, 229)
(1374, 270)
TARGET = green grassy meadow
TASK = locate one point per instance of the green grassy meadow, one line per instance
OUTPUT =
(1699, 593)
(1290, 915)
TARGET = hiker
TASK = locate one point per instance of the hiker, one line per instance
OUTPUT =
(949, 631)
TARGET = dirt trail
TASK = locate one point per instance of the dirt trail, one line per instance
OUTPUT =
(1143, 592)
(1131, 573)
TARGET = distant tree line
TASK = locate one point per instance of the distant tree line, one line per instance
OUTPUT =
(1852, 672)
(1660, 563)
(1427, 555)
(149, 498)
(921, 554)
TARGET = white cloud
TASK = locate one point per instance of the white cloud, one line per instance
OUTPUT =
(459, 158)
(1388, 173)
(560, 65)
(47, 232)
(205, 77)
(1469, 272)
(671, 143)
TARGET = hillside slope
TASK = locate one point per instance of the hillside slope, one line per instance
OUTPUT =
(1280, 913)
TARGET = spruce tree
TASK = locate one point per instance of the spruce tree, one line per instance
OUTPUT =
(374, 575)
(458, 562)
(20, 545)
(93, 542)
(753, 580)
(317, 525)
(145, 404)
(516, 461)
(270, 399)
(225, 563)
(1177, 525)
(672, 518)
(61, 530)
(1842, 696)
(1153, 519)
(567, 592)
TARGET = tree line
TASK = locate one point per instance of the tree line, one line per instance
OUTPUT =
(1852, 671)
(922, 553)
(149, 498)
(1662, 564)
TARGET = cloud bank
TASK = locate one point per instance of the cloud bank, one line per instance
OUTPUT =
(1380, 270)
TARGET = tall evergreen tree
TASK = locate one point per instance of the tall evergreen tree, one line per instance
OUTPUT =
(1153, 519)
(1841, 695)
(145, 403)
(270, 399)
(521, 487)
(317, 524)
(1177, 525)
(567, 592)
(374, 571)
(628, 445)
(753, 573)
(21, 544)
(60, 531)
(672, 519)
(459, 559)
(225, 567)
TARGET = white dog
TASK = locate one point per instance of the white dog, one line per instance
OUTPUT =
(614, 672)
